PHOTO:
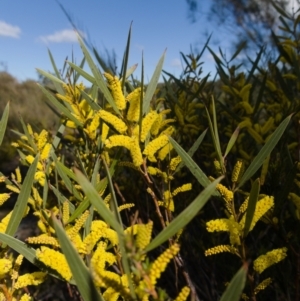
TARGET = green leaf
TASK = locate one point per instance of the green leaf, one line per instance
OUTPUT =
(265, 151)
(98, 202)
(240, 47)
(232, 141)
(251, 206)
(3, 122)
(83, 73)
(21, 204)
(193, 149)
(153, 84)
(235, 288)
(19, 246)
(50, 76)
(125, 59)
(58, 86)
(99, 80)
(192, 166)
(184, 217)
(81, 274)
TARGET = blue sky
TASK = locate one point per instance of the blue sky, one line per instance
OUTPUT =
(29, 28)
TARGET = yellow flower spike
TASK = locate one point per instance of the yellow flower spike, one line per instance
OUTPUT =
(116, 90)
(257, 137)
(175, 162)
(183, 188)
(92, 128)
(46, 151)
(5, 266)
(135, 152)
(144, 232)
(160, 264)
(55, 260)
(18, 175)
(43, 239)
(183, 295)
(179, 114)
(65, 212)
(35, 278)
(228, 225)
(113, 120)
(29, 128)
(225, 193)
(264, 170)
(270, 258)
(244, 206)
(17, 264)
(71, 124)
(262, 207)
(104, 132)
(42, 140)
(168, 201)
(236, 173)
(165, 151)
(220, 249)
(4, 197)
(153, 146)
(156, 125)
(134, 98)
(147, 123)
(78, 225)
(268, 125)
(125, 206)
(262, 285)
(4, 223)
(26, 297)
(30, 159)
(40, 177)
(296, 200)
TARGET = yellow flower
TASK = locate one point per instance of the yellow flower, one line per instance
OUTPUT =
(42, 140)
(175, 162)
(5, 266)
(144, 235)
(270, 258)
(262, 206)
(184, 293)
(153, 146)
(55, 260)
(147, 123)
(220, 249)
(43, 239)
(236, 173)
(225, 192)
(4, 197)
(113, 120)
(79, 223)
(26, 297)
(165, 151)
(183, 188)
(134, 98)
(116, 90)
(160, 264)
(35, 278)
(262, 285)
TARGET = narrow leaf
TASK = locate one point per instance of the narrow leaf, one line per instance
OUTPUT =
(50, 76)
(192, 166)
(153, 84)
(81, 274)
(251, 205)
(235, 288)
(21, 204)
(98, 202)
(3, 122)
(265, 151)
(231, 141)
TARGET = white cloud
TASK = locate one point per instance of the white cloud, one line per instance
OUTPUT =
(8, 30)
(63, 36)
(176, 63)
